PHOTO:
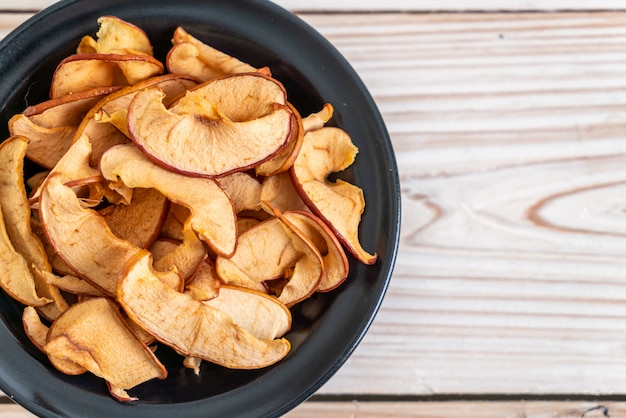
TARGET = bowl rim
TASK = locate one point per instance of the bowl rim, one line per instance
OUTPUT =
(16, 380)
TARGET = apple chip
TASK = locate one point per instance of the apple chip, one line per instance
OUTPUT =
(212, 213)
(261, 314)
(273, 250)
(317, 120)
(230, 125)
(189, 326)
(335, 260)
(191, 56)
(285, 158)
(93, 335)
(116, 36)
(86, 71)
(75, 231)
(339, 204)
(50, 126)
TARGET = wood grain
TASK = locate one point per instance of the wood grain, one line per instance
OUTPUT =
(510, 133)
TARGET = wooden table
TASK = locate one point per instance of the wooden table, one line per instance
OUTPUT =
(508, 118)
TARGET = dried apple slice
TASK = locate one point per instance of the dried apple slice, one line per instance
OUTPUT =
(75, 232)
(212, 213)
(272, 250)
(339, 204)
(261, 314)
(116, 36)
(86, 71)
(16, 219)
(139, 222)
(38, 333)
(284, 159)
(317, 120)
(189, 326)
(94, 335)
(335, 260)
(50, 126)
(35, 330)
(229, 136)
(105, 135)
(189, 55)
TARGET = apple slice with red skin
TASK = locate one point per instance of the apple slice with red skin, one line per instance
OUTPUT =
(75, 232)
(284, 159)
(231, 130)
(212, 214)
(116, 36)
(272, 250)
(80, 72)
(191, 327)
(261, 314)
(189, 55)
(340, 204)
(335, 260)
(94, 335)
(50, 126)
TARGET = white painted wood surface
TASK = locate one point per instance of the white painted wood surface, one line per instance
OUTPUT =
(510, 134)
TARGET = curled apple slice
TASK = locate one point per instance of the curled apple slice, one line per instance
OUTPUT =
(273, 250)
(261, 314)
(116, 36)
(285, 158)
(35, 330)
(50, 126)
(317, 120)
(94, 335)
(212, 213)
(189, 55)
(20, 247)
(340, 204)
(335, 260)
(86, 71)
(75, 232)
(228, 134)
(191, 327)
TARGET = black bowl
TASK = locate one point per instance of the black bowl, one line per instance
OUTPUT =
(327, 327)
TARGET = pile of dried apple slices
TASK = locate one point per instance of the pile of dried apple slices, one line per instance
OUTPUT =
(186, 203)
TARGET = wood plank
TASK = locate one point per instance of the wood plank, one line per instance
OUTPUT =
(509, 132)
(458, 408)
(398, 5)
(477, 409)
